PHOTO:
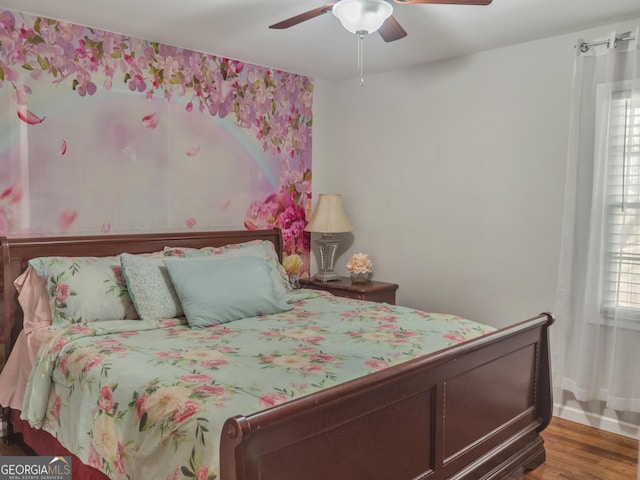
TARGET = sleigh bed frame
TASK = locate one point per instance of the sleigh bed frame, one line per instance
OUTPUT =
(472, 411)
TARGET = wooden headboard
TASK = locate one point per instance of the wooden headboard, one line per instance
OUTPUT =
(16, 252)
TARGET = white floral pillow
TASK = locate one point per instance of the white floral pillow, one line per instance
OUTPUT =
(84, 289)
(254, 248)
(150, 286)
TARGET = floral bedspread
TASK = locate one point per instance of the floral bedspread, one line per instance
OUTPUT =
(147, 400)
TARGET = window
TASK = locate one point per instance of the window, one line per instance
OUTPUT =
(622, 262)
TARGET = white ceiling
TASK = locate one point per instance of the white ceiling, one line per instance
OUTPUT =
(320, 47)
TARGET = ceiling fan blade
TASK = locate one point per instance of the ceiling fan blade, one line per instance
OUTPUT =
(391, 30)
(303, 17)
(448, 2)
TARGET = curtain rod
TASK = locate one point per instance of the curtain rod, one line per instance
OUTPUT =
(585, 46)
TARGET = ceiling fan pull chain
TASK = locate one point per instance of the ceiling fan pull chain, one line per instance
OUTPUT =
(360, 36)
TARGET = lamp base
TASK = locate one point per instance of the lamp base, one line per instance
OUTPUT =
(328, 245)
(326, 277)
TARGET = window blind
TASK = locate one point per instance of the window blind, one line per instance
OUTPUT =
(622, 263)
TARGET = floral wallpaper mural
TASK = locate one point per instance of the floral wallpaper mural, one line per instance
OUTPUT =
(102, 132)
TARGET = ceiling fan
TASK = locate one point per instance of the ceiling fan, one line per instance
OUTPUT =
(367, 16)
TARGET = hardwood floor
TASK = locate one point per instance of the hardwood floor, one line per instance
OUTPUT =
(574, 452)
(578, 452)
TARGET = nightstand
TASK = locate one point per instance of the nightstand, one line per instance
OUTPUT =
(372, 291)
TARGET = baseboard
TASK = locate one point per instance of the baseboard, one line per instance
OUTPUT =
(595, 420)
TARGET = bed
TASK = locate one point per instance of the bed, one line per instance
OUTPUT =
(471, 410)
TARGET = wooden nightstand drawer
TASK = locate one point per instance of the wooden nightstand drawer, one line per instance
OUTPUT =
(372, 291)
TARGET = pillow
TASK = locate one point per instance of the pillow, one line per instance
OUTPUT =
(34, 300)
(219, 290)
(150, 287)
(84, 289)
(255, 248)
(190, 251)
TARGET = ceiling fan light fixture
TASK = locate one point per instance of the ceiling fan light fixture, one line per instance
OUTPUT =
(362, 16)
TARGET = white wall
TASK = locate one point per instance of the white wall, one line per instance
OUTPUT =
(452, 175)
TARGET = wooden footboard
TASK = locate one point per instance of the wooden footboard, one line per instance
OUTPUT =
(473, 411)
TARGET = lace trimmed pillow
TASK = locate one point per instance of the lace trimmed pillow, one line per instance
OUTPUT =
(150, 286)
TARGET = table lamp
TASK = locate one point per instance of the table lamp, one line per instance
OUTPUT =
(328, 218)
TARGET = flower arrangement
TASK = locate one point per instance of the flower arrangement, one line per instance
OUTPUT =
(360, 263)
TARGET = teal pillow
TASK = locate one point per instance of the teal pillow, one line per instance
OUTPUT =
(254, 248)
(219, 290)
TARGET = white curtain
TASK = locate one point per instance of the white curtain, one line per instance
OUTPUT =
(602, 356)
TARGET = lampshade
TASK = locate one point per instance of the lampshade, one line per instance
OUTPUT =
(362, 16)
(329, 216)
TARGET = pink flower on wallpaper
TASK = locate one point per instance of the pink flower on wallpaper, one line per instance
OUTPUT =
(152, 120)
(29, 117)
(136, 82)
(86, 87)
(7, 21)
(106, 227)
(283, 211)
(66, 219)
(190, 222)
(292, 221)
